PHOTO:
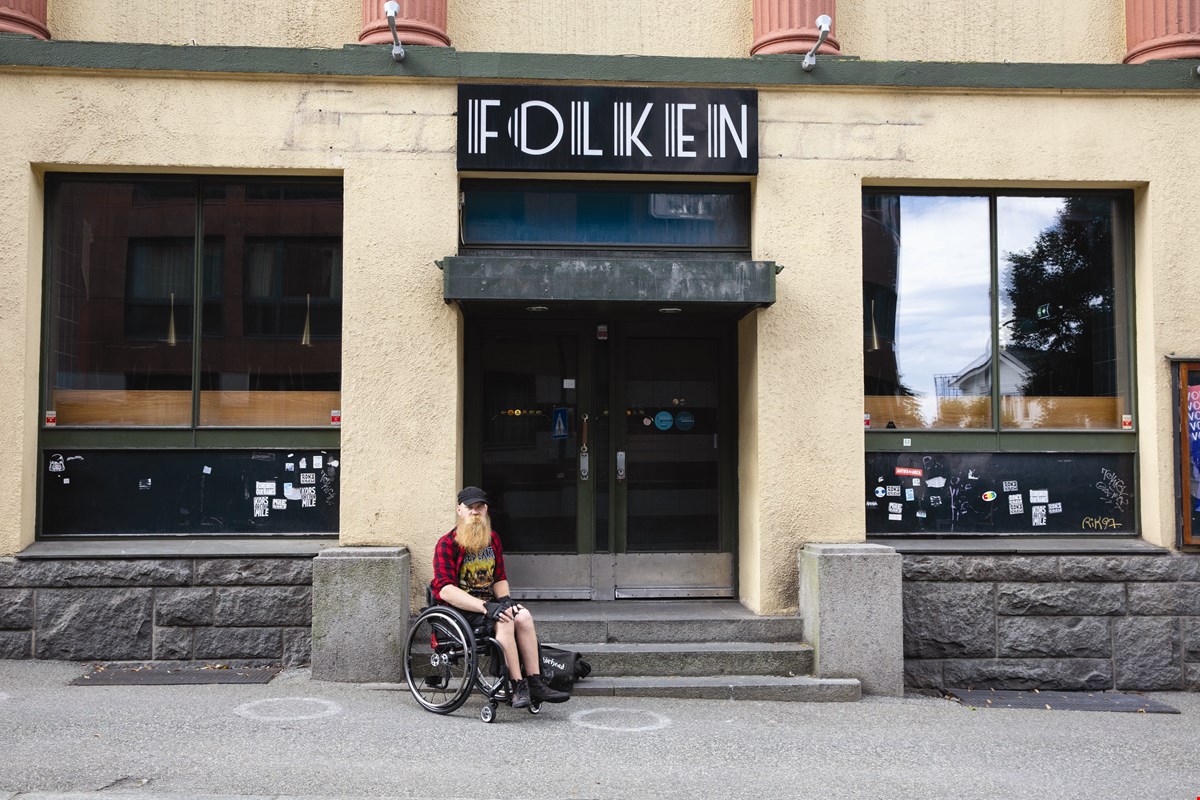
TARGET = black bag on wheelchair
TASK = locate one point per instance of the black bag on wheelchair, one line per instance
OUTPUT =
(562, 668)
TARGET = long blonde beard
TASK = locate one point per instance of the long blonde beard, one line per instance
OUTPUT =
(474, 534)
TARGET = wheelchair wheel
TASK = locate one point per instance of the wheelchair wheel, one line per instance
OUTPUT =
(440, 660)
(488, 712)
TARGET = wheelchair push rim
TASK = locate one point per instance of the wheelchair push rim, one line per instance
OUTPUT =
(440, 660)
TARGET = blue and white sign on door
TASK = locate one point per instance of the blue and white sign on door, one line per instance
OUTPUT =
(558, 424)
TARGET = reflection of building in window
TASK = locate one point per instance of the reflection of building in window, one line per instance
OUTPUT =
(881, 249)
(976, 377)
(128, 258)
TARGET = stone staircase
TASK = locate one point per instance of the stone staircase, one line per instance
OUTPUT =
(704, 649)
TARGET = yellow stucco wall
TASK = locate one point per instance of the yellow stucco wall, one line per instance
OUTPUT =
(399, 435)
(246, 23)
(1079, 31)
(801, 377)
(1074, 31)
(817, 151)
(721, 29)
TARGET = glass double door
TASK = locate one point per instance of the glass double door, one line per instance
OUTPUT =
(606, 449)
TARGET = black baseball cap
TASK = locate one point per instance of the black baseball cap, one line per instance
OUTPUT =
(472, 494)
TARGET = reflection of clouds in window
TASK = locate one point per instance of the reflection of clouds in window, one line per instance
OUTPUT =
(1019, 222)
(943, 316)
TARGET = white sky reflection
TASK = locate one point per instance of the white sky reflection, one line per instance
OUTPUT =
(943, 315)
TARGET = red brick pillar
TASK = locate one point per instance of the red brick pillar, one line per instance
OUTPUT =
(24, 16)
(789, 26)
(1158, 29)
(419, 22)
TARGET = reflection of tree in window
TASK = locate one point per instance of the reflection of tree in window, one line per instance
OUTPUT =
(1060, 293)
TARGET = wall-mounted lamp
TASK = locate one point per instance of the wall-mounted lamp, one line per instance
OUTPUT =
(392, 8)
(810, 59)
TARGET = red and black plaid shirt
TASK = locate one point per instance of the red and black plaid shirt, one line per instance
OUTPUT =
(448, 560)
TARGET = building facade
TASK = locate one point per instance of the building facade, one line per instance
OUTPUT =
(637, 271)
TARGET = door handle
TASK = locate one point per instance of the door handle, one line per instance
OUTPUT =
(584, 456)
(620, 465)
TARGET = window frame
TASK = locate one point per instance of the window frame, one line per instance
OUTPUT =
(996, 439)
(193, 435)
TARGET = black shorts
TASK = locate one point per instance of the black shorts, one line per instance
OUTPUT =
(480, 624)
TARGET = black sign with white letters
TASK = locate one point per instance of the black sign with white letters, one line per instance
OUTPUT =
(608, 129)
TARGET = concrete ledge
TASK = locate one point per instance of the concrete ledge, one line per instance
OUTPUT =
(727, 687)
(178, 547)
(360, 613)
(683, 659)
(852, 605)
(1022, 545)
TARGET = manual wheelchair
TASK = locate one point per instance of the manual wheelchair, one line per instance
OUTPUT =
(445, 658)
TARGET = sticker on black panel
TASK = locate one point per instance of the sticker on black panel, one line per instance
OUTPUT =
(192, 492)
(948, 494)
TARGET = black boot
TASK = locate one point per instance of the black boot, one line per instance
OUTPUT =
(521, 694)
(539, 692)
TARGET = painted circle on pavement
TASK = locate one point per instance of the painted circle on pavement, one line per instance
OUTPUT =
(288, 709)
(624, 720)
(684, 420)
(663, 420)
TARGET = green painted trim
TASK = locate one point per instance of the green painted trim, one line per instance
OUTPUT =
(115, 438)
(445, 63)
(268, 437)
(1031, 441)
(186, 438)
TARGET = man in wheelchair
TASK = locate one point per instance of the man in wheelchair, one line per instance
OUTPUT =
(468, 573)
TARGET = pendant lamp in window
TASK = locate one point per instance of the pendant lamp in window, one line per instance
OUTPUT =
(171, 323)
(306, 337)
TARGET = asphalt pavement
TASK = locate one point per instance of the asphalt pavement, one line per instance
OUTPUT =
(299, 738)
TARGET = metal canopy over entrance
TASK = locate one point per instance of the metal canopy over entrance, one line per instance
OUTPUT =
(608, 446)
(715, 283)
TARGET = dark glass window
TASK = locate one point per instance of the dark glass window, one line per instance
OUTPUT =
(122, 258)
(606, 214)
(1048, 350)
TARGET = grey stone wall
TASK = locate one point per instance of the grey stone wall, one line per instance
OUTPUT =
(179, 609)
(1061, 622)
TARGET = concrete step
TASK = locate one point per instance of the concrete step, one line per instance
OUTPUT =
(651, 659)
(660, 621)
(727, 687)
(755, 629)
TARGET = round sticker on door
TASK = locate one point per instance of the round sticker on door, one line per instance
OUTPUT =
(663, 420)
(989, 497)
(880, 491)
(684, 420)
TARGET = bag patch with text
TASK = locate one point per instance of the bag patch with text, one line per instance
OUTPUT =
(562, 668)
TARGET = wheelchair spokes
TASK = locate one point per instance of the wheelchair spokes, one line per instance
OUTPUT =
(440, 661)
(491, 674)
